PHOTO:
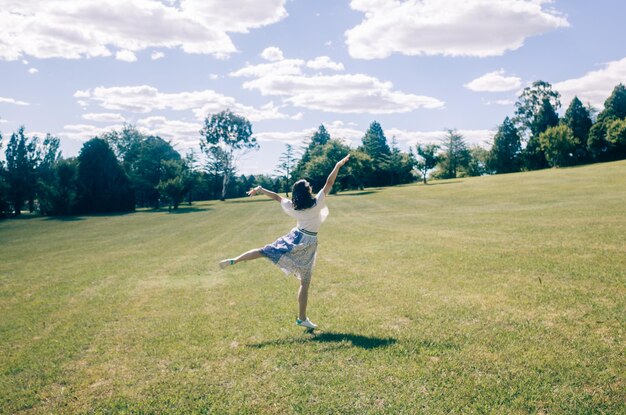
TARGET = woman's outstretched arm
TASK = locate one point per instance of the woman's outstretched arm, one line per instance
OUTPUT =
(333, 174)
(259, 189)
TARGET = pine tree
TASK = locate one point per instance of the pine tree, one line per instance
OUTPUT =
(313, 147)
(376, 147)
(614, 109)
(578, 119)
(286, 166)
(505, 154)
(455, 154)
(320, 137)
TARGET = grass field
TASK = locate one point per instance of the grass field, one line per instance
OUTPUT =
(502, 294)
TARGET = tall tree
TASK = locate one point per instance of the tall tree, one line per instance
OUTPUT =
(455, 154)
(141, 156)
(578, 119)
(125, 143)
(615, 104)
(375, 142)
(146, 170)
(614, 109)
(375, 145)
(312, 147)
(531, 102)
(191, 161)
(21, 174)
(232, 135)
(320, 137)
(505, 154)
(427, 159)
(4, 187)
(286, 166)
(49, 156)
(103, 185)
(400, 165)
(533, 156)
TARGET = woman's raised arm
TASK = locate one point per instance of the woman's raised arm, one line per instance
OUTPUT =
(270, 194)
(333, 174)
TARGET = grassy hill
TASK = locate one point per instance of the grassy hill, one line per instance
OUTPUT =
(501, 294)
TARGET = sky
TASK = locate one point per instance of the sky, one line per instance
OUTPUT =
(78, 68)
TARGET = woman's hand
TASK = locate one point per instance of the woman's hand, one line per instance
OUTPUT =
(343, 161)
(254, 191)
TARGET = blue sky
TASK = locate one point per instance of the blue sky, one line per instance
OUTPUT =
(78, 68)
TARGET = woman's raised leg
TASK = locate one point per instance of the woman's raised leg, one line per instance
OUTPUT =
(246, 256)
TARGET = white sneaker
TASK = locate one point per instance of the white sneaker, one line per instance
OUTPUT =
(226, 262)
(306, 323)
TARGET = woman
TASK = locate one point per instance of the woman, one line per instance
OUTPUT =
(295, 252)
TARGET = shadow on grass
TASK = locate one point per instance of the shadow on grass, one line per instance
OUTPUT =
(65, 218)
(364, 342)
(444, 182)
(187, 209)
(249, 200)
(356, 340)
(363, 193)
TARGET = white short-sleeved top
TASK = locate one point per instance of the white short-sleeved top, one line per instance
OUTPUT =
(308, 219)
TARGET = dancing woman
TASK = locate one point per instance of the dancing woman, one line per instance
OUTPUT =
(295, 252)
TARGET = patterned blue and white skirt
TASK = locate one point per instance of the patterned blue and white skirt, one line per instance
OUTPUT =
(294, 253)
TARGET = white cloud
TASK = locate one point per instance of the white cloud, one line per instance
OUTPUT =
(33, 71)
(103, 117)
(24, 61)
(126, 56)
(501, 102)
(280, 68)
(350, 93)
(496, 81)
(324, 62)
(3, 121)
(74, 29)
(237, 15)
(448, 27)
(145, 99)
(13, 101)
(272, 54)
(594, 87)
(82, 93)
(213, 76)
(85, 132)
(341, 93)
(157, 55)
(183, 135)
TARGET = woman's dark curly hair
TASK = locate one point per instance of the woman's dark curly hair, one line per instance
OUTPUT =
(302, 195)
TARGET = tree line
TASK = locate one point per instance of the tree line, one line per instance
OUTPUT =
(122, 170)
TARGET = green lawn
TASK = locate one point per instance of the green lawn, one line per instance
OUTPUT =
(502, 294)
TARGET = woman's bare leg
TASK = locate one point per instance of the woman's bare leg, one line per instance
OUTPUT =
(249, 256)
(246, 256)
(303, 297)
